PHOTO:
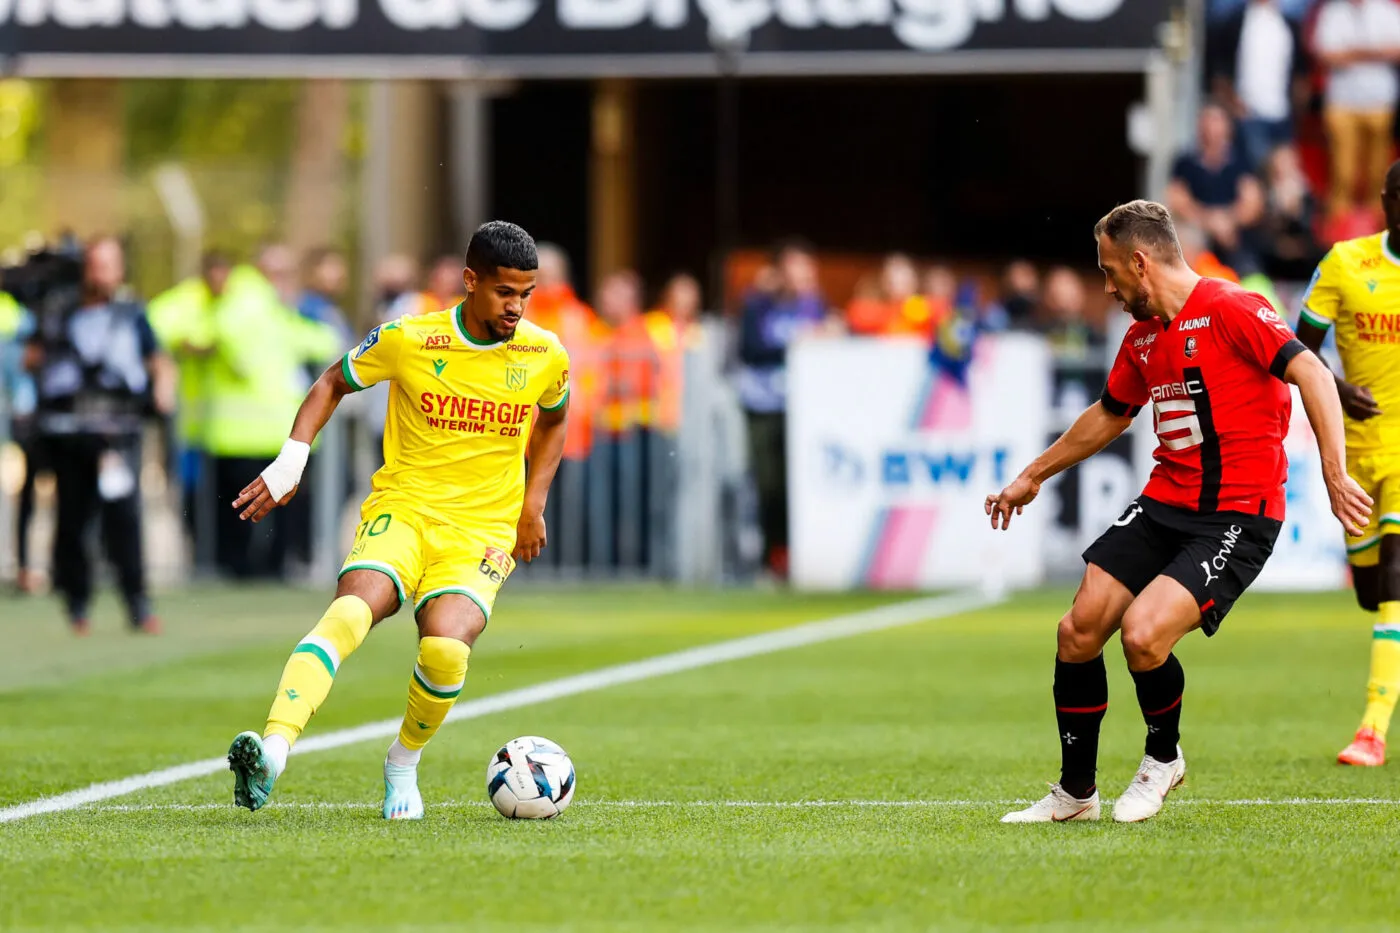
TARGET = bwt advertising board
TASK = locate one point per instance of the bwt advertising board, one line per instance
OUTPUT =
(889, 466)
(889, 463)
(504, 28)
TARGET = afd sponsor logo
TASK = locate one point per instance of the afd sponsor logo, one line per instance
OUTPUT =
(908, 468)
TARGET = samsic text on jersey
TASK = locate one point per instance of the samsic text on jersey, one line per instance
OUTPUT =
(1214, 377)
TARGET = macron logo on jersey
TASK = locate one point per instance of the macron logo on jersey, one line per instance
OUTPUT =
(1196, 323)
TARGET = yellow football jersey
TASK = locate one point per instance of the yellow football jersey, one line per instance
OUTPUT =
(1357, 288)
(460, 412)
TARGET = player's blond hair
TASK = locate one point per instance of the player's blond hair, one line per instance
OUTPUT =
(1141, 224)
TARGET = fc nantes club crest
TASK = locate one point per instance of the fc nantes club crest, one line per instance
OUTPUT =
(517, 374)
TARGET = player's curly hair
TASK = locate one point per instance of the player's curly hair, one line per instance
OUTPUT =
(1143, 225)
(501, 245)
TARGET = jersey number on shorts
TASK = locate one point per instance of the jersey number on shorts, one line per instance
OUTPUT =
(1133, 512)
(374, 528)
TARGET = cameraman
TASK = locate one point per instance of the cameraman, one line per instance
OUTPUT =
(99, 374)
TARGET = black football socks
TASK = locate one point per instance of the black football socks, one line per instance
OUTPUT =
(1081, 699)
(1159, 694)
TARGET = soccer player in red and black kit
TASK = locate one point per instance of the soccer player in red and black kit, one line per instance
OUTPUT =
(1213, 360)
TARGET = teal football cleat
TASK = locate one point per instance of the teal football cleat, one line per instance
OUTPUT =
(401, 798)
(253, 771)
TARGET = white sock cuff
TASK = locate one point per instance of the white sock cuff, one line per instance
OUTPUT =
(276, 747)
(404, 757)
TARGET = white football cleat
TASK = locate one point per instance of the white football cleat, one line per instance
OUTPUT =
(1057, 807)
(1149, 788)
(401, 798)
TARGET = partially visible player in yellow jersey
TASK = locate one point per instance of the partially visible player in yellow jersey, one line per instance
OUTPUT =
(1356, 289)
(476, 393)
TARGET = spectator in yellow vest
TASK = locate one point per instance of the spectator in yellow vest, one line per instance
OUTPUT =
(183, 320)
(256, 382)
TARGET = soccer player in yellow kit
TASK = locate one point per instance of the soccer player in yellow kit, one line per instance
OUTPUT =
(1356, 289)
(476, 393)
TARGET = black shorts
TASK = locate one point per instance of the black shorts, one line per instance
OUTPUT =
(1215, 555)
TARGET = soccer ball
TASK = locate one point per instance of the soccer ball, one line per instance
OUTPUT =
(530, 778)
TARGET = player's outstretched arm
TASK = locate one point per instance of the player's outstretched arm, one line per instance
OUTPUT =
(1091, 432)
(278, 483)
(1316, 384)
(546, 450)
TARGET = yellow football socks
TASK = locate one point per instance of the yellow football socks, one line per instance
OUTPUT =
(1381, 689)
(437, 680)
(310, 671)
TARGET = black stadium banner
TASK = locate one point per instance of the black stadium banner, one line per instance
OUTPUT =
(501, 29)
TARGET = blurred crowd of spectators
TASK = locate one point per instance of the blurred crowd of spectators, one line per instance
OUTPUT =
(934, 303)
(246, 339)
(1292, 147)
(243, 342)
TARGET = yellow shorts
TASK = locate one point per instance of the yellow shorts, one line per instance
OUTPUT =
(427, 558)
(1379, 475)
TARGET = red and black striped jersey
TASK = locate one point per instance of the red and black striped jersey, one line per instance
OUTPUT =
(1214, 376)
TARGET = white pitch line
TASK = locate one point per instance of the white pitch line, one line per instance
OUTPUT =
(750, 804)
(811, 633)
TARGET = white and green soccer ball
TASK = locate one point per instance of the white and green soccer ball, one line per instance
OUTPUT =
(530, 778)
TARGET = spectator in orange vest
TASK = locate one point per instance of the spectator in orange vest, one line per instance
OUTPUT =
(631, 363)
(555, 307)
(629, 376)
(893, 305)
(673, 328)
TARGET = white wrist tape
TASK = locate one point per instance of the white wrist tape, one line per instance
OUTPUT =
(283, 474)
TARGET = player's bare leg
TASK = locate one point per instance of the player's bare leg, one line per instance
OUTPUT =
(448, 625)
(1081, 698)
(1160, 617)
(363, 599)
(1378, 590)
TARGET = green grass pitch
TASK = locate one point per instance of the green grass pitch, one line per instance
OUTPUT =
(698, 791)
